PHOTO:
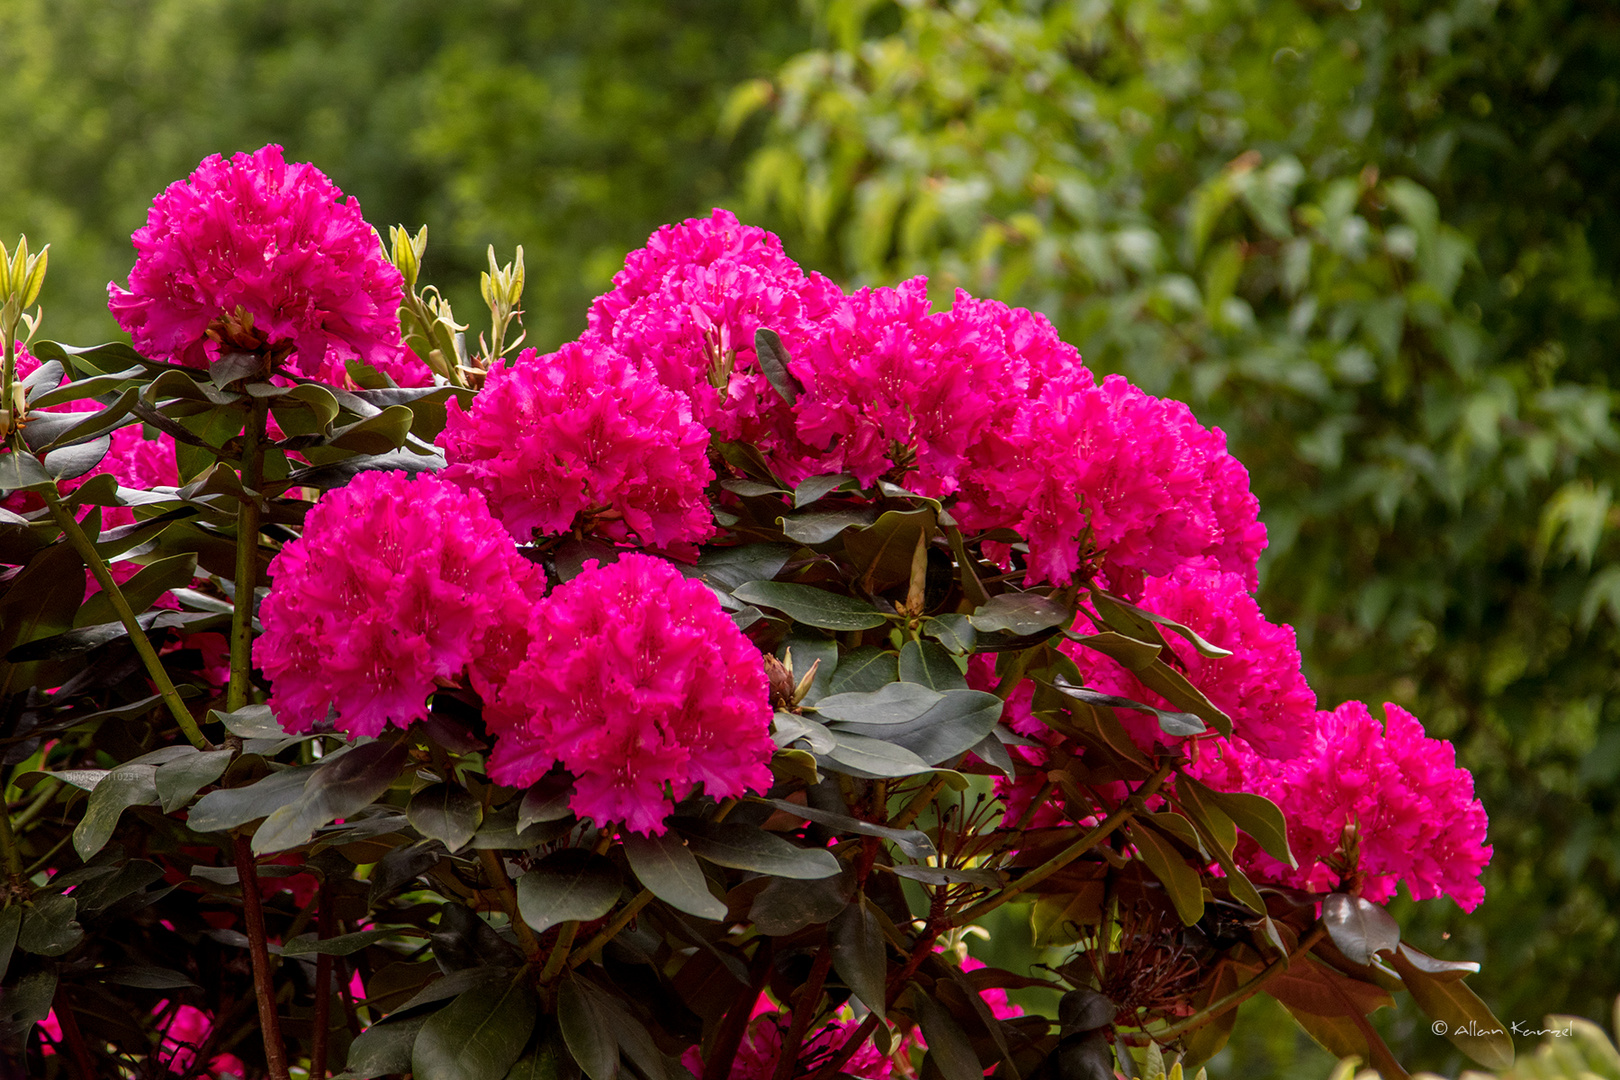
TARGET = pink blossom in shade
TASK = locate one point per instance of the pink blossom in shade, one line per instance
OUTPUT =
(279, 242)
(762, 1045)
(1101, 478)
(50, 1033)
(583, 435)
(1260, 686)
(187, 1030)
(640, 685)
(700, 290)
(399, 584)
(1368, 803)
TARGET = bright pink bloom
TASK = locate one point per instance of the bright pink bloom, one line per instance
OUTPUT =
(280, 243)
(188, 1029)
(1260, 686)
(582, 435)
(398, 584)
(697, 292)
(1369, 803)
(1112, 480)
(995, 997)
(642, 687)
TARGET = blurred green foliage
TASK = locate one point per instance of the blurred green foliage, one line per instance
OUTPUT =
(1377, 241)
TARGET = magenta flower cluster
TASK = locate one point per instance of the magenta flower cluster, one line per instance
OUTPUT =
(275, 248)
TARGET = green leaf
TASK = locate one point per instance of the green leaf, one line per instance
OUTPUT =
(948, 1047)
(21, 471)
(895, 703)
(928, 663)
(863, 756)
(10, 924)
(1132, 653)
(341, 785)
(1470, 1025)
(820, 526)
(1434, 967)
(953, 631)
(811, 606)
(1173, 686)
(588, 1034)
(447, 813)
(477, 1036)
(913, 842)
(546, 800)
(883, 551)
(571, 885)
(664, 865)
(1360, 928)
(863, 670)
(807, 652)
(123, 787)
(375, 434)
(248, 722)
(952, 725)
(49, 926)
(772, 359)
(1180, 880)
(813, 489)
(859, 954)
(1254, 814)
(341, 945)
(786, 906)
(177, 781)
(1019, 614)
(146, 977)
(1172, 723)
(727, 568)
(141, 591)
(628, 1032)
(547, 1059)
(1128, 618)
(748, 847)
(229, 808)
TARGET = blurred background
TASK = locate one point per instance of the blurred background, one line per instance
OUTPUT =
(1376, 241)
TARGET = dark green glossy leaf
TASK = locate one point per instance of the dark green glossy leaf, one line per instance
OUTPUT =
(859, 954)
(895, 703)
(727, 568)
(1020, 614)
(820, 526)
(863, 670)
(952, 725)
(567, 886)
(375, 434)
(1180, 880)
(546, 800)
(953, 631)
(248, 722)
(864, 756)
(747, 847)
(49, 925)
(772, 358)
(665, 866)
(341, 785)
(477, 1036)
(993, 752)
(142, 590)
(384, 1048)
(811, 606)
(1360, 928)
(1470, 1024)
(814, 488)
(1172, 723)
(177, 781)
(1255, 815)
(786, 905)
(883, 551)
(913, 842)
(10, 924)
(146, 977)
(447, 813)
(929, 663)
(341, 945)
(588, 1034)
(229, 808)
(949, 1049)
(20, 471)
(1435, 968)
(125, 786)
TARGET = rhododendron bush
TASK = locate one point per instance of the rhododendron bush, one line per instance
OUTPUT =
(675, 702)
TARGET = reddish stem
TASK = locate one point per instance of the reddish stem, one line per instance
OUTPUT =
(326, 922)
(735, 1024)
(275, 1051)
(75, 1042)
(804, 1010)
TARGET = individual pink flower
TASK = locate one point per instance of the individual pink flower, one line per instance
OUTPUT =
(275, 249)
(1368, 804)
(1260, 686)
(1111, 480)
(188, 1029)
(398, 585)
(688, 304)
(641, 686)
(582, 437)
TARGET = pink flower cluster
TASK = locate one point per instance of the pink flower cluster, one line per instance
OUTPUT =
(688, 305)
(1260, 686)
(274, 246)
(1368, 804)
(581, 436)
(398, 585)
(640, 685)
(188, 1029)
